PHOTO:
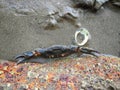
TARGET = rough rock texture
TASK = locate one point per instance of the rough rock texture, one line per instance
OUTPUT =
(87, 4)
(22, 26)
(116, 2)
(85, 73)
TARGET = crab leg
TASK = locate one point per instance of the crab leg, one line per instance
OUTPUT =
(52, 52)
(24, 56)
(90, 51)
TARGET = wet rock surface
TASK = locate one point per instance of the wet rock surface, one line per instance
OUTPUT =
(23, 26)
(84, 73)
(93, 5)
(116, 2)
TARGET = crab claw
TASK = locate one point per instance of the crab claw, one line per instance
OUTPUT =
(89, 51)
(23, 57)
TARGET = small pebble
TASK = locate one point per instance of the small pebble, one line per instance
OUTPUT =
(78, 25)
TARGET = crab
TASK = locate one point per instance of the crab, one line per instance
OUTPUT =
(42, 55)
(55, 51)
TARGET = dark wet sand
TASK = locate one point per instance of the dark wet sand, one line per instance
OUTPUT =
(23, 33)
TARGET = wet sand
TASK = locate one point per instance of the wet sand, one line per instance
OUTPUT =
(20, 33)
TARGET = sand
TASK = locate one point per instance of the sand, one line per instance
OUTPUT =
(20, 28)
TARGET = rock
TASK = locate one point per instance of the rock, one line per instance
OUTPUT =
(115, 2)
(32, 74)
(78, 25)
(23, 12)
(1, 88)
(90, 4)
(51, 23)
(3, 5)
(69, 11)
(53, 75)
(56, 16)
